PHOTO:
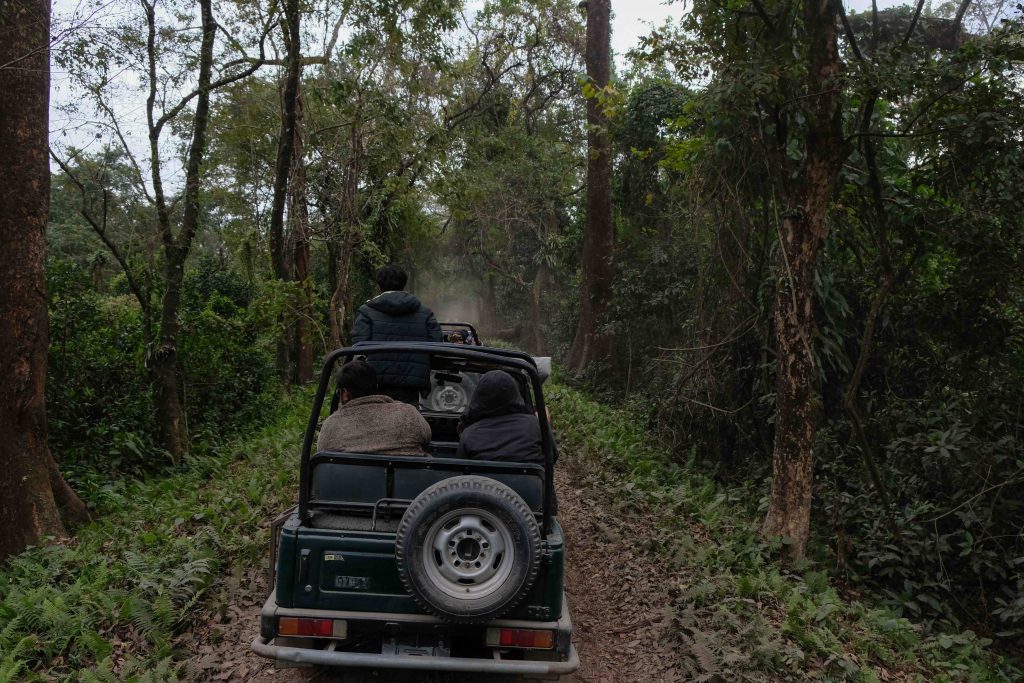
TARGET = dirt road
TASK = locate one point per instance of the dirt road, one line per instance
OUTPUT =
(617, 597)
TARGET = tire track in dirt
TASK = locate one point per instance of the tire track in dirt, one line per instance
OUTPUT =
(616, 592)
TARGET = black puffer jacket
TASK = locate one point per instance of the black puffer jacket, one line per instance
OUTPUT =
(397, 316)
(498, 425)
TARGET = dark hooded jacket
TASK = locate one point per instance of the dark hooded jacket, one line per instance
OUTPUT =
(397, 316)
(498, 425)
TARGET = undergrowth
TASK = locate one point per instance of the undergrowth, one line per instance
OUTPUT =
(114, 603)
(118, 602)
(755, 619)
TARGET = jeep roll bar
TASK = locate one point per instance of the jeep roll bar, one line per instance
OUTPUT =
(505, 358)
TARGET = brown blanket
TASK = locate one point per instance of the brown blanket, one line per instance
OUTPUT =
(375, 424)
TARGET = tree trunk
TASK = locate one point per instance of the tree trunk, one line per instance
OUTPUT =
(540, 342)
(590, 344)
(802, 236)
(303, 347)
(489, 321)
(349, 233)
(34, 494)
(172, 427)
(285, 153)
(340, 296)
(163, 359)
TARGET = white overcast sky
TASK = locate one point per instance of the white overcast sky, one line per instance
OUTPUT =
(631, 19)
(634, 18)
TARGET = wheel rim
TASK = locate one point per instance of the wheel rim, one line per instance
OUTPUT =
(451, 399)
(468, 553)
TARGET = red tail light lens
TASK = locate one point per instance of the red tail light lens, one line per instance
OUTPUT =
(521, 637)
(323, 628)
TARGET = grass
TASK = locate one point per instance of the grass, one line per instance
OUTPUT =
(117, 602)
(756, 619)
(110, 604)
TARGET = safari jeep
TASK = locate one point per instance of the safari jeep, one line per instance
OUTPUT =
(422, 563)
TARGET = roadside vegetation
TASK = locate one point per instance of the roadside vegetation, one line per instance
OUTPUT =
(784, 237)
(119, 601)
(735, 612)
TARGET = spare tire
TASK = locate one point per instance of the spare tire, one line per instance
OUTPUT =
(468, 549)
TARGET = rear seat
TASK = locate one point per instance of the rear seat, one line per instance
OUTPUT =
(367, 479)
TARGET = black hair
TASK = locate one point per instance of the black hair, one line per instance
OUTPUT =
(391, 278)
(359, 378)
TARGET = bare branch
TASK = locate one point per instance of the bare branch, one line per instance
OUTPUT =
(913, 23)
(849, 32)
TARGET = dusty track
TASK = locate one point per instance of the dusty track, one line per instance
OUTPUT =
(616, 594)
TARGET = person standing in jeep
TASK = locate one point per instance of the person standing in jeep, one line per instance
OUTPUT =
(397, 315)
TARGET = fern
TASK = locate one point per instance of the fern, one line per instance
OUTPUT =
(9, 637)
(139, 613)
(11, 665)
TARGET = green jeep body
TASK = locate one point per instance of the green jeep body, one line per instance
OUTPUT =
(333, 556)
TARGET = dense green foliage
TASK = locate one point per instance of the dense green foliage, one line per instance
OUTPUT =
(919, 296)
(163, 553)
(453, 143)
(753, 619)
(100, 402)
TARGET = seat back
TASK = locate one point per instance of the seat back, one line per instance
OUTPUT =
(358, 481)
(349, 483)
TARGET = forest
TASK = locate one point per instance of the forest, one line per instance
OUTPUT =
(775, 249)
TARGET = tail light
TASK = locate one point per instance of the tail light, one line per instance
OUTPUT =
(318, 628)
(521, 637)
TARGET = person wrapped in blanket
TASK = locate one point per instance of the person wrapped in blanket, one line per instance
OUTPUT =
(368, 421)
(498, 425)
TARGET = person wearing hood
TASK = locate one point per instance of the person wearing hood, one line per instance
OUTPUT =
(498, 425)
(397, 315)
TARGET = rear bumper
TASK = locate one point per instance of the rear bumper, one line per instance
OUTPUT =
(298, 655)
(567, 662)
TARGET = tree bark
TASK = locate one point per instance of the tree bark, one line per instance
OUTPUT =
(540, 343)
(34, 494)
(340, 296)
(282, 171)
(349, 233)
(589, 343)
(802, 237)
(303, 347)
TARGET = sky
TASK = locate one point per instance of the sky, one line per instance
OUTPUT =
(634, 18)
(631, 19)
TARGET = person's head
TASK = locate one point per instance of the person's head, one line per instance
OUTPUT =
(497, 394)
(357, 379)
(391, 278)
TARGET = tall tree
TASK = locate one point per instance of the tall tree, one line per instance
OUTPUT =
(178, 217)
(163, 359)
(520, 166)
(803, 230)
(286, 142)
(298, 211)
(590, 344)
(36, 501)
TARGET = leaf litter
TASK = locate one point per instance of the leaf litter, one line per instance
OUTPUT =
(617, 593)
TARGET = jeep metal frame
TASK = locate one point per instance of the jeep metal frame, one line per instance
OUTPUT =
(298, 520)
